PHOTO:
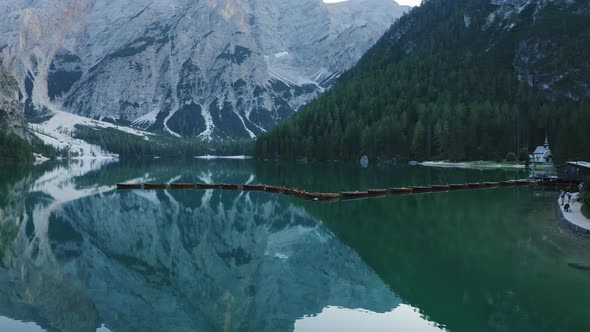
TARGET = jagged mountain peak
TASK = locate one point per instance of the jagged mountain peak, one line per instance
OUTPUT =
(217, 69)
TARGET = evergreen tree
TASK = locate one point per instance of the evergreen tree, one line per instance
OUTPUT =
(433, 88)
(418, 141)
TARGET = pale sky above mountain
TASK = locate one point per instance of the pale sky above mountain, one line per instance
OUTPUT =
(401, 2)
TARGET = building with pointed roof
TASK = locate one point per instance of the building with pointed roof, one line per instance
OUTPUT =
(542, 153)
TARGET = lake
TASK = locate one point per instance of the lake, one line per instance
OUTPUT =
(78, 255)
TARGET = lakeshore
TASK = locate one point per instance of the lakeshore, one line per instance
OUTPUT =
(473, 164)
(575, 219)
(483, 165)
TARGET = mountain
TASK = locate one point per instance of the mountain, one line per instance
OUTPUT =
(12, 118)
(217, 69)
(456, 80)
(14, 135)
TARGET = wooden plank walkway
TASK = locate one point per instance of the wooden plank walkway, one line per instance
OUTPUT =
(324, 196)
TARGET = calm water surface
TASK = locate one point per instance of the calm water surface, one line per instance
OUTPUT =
(77, 255)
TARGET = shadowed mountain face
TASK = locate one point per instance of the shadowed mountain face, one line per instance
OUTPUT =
(12, 117)
(215, 68)
(76, 257)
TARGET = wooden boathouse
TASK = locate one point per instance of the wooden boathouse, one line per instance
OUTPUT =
(574, 171)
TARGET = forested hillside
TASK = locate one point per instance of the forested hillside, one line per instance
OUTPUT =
(131, 146)
(456, 80)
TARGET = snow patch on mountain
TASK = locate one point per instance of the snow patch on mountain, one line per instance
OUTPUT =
(59, 130)
(221, 69)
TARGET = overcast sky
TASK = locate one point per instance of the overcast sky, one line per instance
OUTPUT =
(401, 2)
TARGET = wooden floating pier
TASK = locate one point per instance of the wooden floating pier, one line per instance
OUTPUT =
(421, 189)
(155, 186)
(330, 196)
(346, 195)
(354, 194)
(403, 190)
(128, 186)
(230, 186)
(207, 186)
(182, 186)
(274, 189)
(441, 187)
(377, 192)
(248, 187)
(458, 186)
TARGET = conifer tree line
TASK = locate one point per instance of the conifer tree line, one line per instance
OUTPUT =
(448, 89)
(130, 146)
(13, 148)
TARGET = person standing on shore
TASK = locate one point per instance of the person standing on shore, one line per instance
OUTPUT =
(562, 197)
(569, 196)
(581, 186)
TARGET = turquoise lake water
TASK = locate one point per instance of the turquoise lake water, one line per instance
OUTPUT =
(78, 255)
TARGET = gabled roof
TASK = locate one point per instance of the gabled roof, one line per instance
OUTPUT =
(584, 164)
(540, 150)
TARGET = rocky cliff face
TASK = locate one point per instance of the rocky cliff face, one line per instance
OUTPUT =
(545, 59)
(544, 41)
(12, 118)
(216, 68)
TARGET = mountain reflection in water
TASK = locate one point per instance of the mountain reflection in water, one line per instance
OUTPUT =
(78, 254)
